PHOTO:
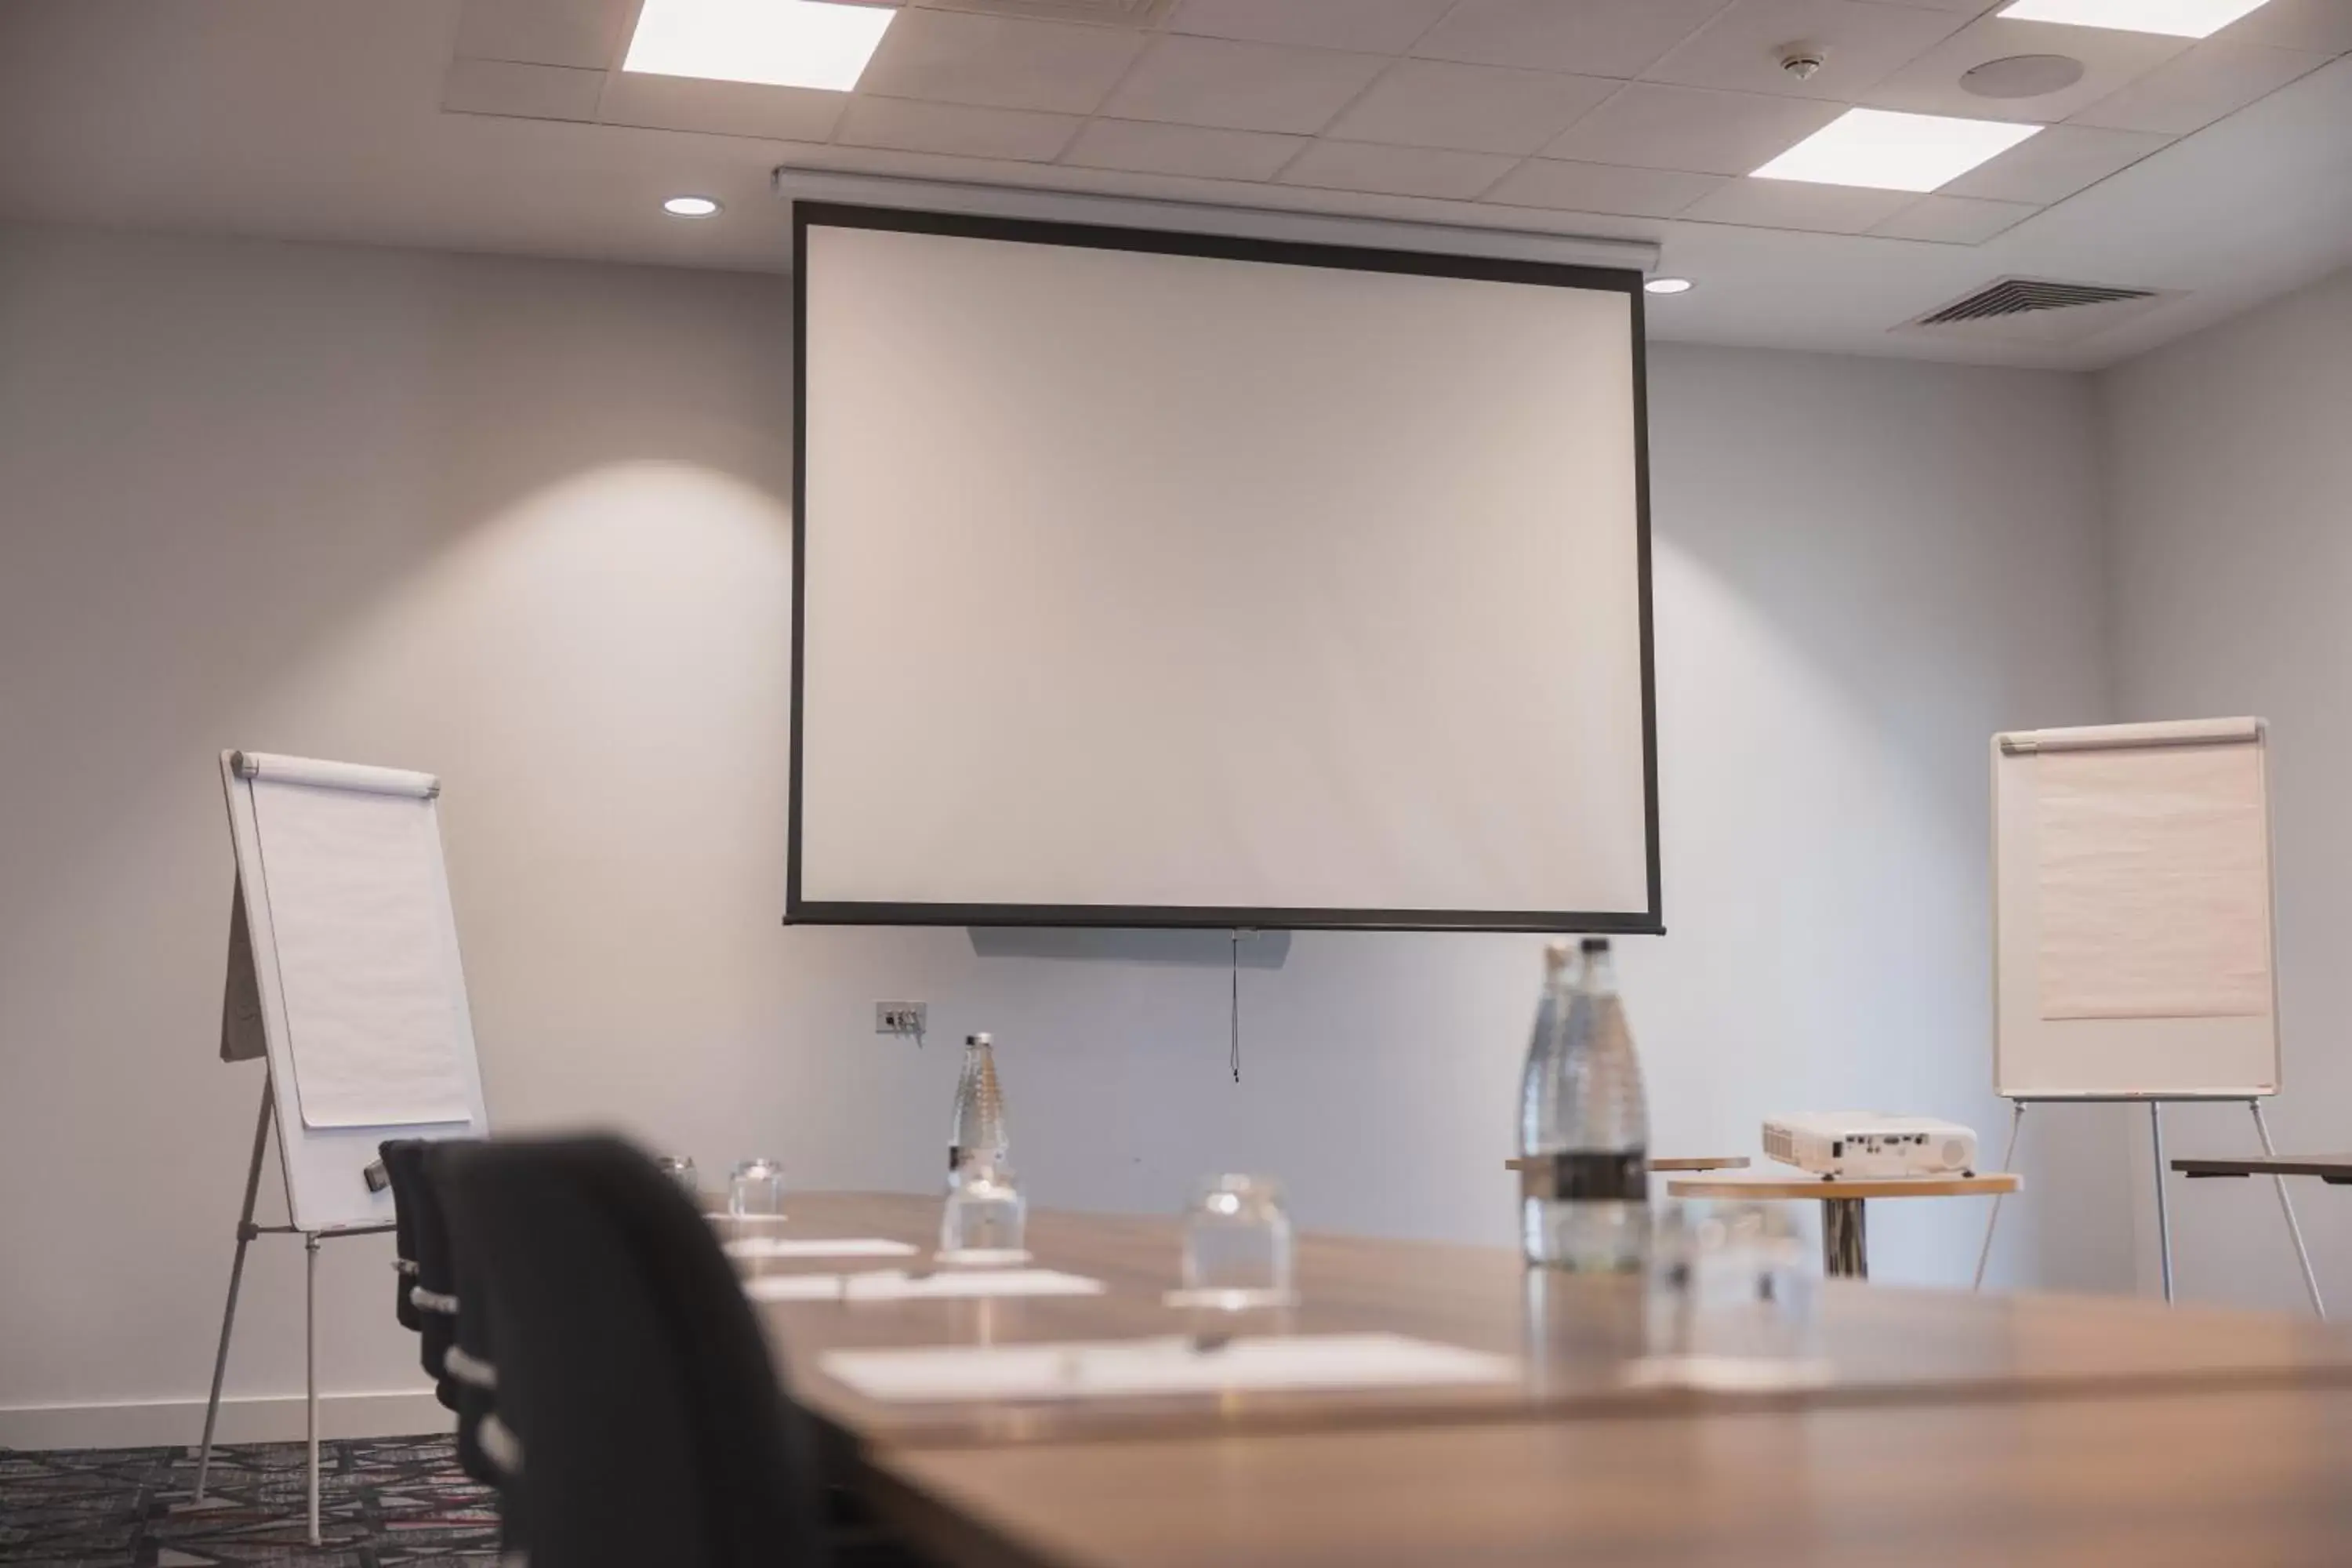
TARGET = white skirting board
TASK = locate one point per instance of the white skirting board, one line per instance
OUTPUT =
(253, 1418)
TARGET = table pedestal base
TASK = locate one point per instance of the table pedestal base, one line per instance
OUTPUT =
(1846, 1247)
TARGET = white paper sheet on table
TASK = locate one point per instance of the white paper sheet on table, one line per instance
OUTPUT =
(780, 1247)
(1175, 1365)
(1729, 1374)
(366, 955)
(897, 1285)
(2155, 883)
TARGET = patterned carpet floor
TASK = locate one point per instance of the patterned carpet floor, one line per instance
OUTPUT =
(383, 1501)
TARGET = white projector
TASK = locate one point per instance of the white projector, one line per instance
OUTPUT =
(1870, 1143)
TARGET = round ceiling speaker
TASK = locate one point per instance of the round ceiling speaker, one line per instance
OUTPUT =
(2022, 75)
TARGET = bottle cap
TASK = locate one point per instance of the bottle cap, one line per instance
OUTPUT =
(977, 1040)
(1555, 956)
(1596, 944)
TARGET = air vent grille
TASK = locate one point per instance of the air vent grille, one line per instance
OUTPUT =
(1113, 13)
(2019, 296)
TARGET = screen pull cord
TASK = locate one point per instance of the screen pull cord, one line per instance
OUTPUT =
(1235, 1060)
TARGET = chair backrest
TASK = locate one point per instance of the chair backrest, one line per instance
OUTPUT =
(653, 1427)
(433, 1288)
(404, 1167)
(469, 1365)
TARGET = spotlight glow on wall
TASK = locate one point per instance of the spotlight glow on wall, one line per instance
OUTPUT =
(2174, 18)
(774, 43)
(1889, 152)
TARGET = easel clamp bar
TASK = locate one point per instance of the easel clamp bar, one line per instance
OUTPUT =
(2112, 737)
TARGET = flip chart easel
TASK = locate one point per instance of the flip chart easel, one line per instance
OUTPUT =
(2134, 930)
(343, 976)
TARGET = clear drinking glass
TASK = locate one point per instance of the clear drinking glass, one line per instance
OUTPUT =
(756, 1189)
(984, 1218)
(680, 1169)
(1237, 1245)
(1730, 1279)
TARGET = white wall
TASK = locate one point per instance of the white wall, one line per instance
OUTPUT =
(2229, 458)
(525, 525)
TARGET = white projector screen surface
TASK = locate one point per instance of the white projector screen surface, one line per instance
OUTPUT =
(1215, 582)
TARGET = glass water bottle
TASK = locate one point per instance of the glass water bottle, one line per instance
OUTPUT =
(1584, 1124)
(978, 1141)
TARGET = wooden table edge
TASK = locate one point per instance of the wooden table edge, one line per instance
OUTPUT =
(1995, 1183)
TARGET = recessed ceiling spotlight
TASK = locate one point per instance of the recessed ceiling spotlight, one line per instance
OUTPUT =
(775, 43)
(1667, 286)
(1891, 152)
(2175, 18)
(2022, 75)
(692, 207)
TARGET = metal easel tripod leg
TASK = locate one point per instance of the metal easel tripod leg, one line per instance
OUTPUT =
(310, 1364)
(2008, 1153)
(245, 1235)
(2163, 1219)
(2310, 1281)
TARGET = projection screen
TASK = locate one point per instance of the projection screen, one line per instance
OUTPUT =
(1164, 579)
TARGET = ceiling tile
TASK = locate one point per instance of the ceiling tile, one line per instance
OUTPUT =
(1858, 43)
(1378, 26)
(911, 126)
(1592, 38)
(2055, 164)
(2111, 59)
(1955, 220)
(1477, 109)
(722, 108)
(527, 92)
(1601, 188)
(998, 62)
(585, 33)
(2192, 90)
(1242, 86)
(1964, 8)
(1094, 13)
(1657, 127)
(2321, 27)
(1793, 203)
(1197, 151)
(1396, 170)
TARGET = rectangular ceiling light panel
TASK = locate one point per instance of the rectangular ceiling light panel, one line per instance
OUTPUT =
(2175, 18)
(1891, 152)
(775, 43)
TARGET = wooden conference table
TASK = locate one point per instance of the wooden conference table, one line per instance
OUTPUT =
(1007, 1481)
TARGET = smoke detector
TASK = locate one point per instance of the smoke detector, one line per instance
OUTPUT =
(1801, 61)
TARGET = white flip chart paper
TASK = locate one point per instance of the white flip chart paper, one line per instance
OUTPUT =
(780, 1247)
(1107, 1369)
(366, 956)
(2155, 883)
(895, 1285)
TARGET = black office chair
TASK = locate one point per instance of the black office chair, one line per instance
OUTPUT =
(454, 1341)
(472, 1373)
(632, 1375)
(405, 1170)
